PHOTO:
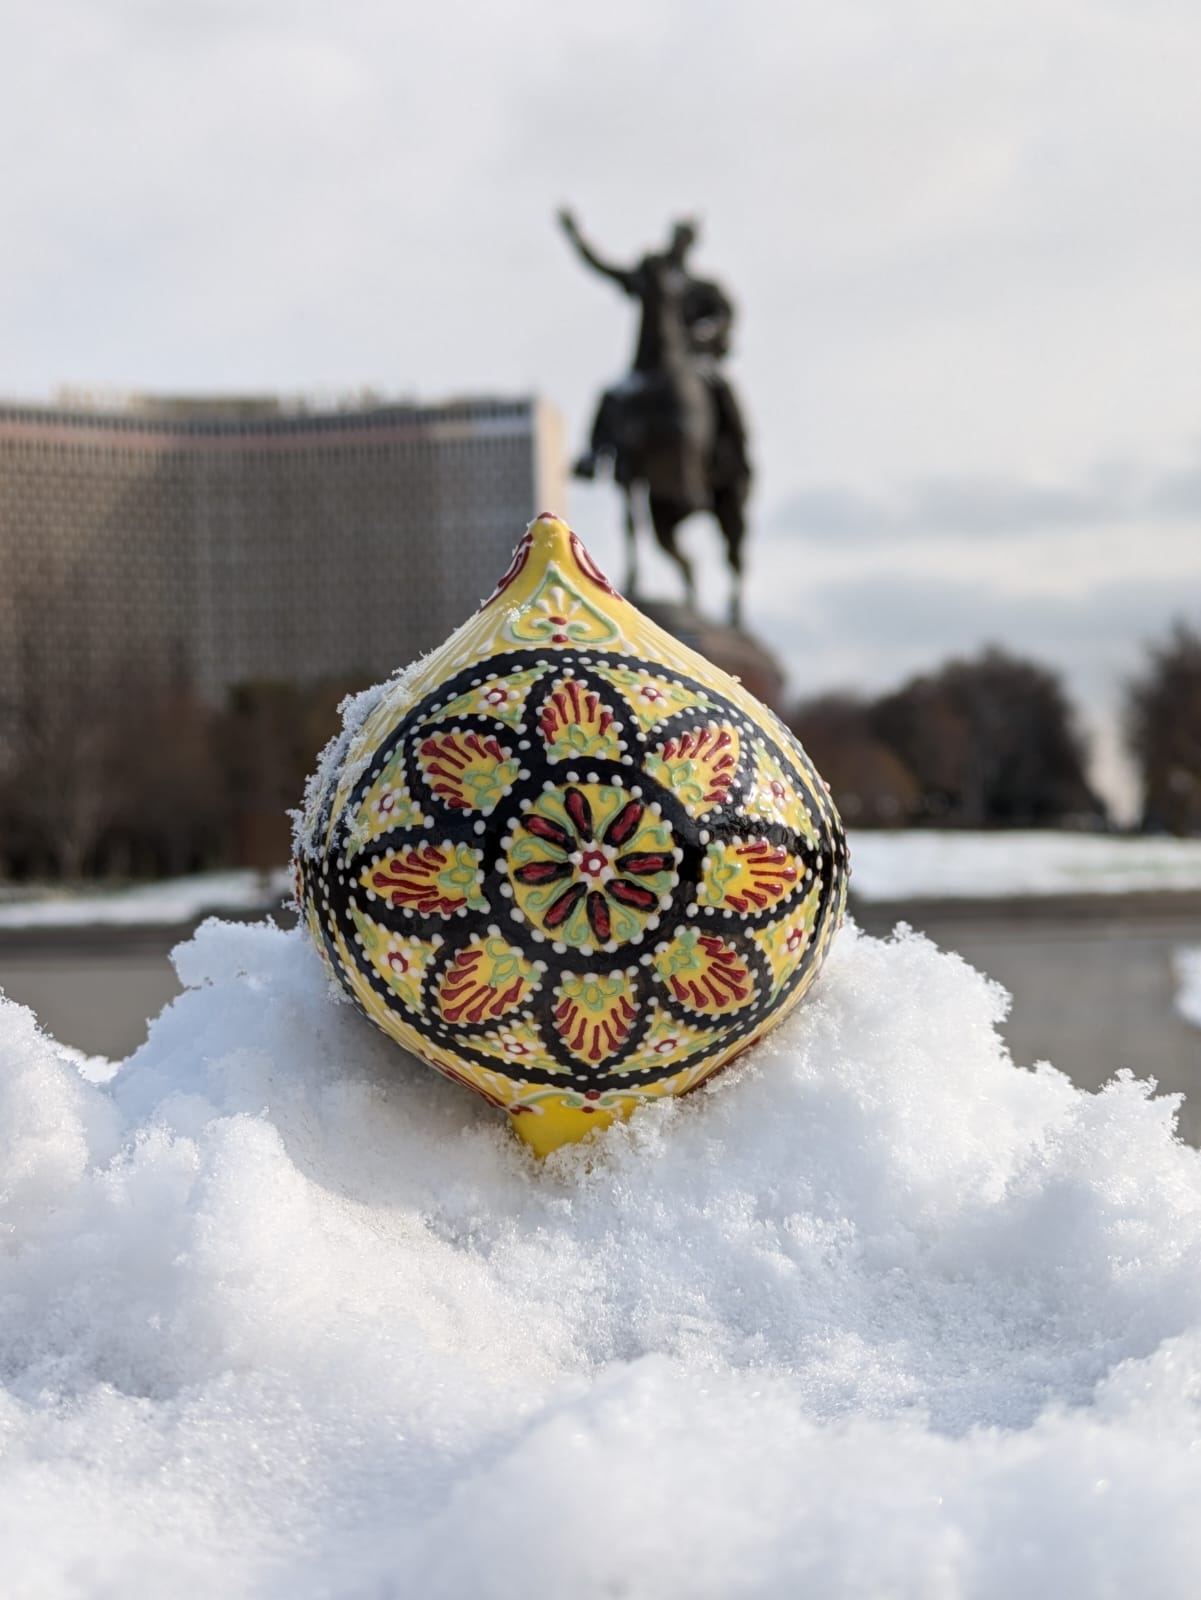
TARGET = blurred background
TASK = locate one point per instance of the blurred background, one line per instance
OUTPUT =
(967, 267)
(291, 347)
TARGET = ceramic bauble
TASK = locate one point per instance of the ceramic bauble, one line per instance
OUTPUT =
(567, 861)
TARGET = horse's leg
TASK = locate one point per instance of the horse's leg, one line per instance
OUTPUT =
(666, 517)
(728, 509)
(730, 480)
(631, 544)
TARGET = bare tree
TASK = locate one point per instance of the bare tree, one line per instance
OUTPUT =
(1163, 723)
(106, 759)
(985, 742)
(59, 775)
(871, 785)
(991, 741)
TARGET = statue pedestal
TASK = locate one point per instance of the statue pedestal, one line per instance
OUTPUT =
(734, 651)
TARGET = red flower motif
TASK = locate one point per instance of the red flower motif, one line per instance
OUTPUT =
(592, 870)
(699, 765)
(468, 771)
(426, 878)
(706, 974)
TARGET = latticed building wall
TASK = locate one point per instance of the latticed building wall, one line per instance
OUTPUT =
(222, 544)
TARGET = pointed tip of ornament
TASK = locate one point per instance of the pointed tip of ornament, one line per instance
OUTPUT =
(549, 528)
(550, 538)
(547, 541)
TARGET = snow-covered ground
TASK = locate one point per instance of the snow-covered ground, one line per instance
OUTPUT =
(283, 1313)
(172, 901)
(921, 864)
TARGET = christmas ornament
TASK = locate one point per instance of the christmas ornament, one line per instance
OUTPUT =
(565, 860)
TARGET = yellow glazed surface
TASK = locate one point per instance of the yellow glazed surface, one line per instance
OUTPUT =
(567, 861)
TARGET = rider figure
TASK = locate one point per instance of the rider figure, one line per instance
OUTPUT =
(707, 314)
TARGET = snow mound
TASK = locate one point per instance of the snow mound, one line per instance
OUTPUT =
(282, 1313)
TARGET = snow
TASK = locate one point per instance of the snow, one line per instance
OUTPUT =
(96, 1069)
(354, 711)
(168, 902)
(1187, 963)
(934, 864)
(283, 1313)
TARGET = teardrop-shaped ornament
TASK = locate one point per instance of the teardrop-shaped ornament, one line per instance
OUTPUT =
(567, 861)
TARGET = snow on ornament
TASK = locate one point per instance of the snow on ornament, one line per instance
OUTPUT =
(567, 861)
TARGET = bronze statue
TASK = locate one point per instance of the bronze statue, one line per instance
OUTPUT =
(673, 426)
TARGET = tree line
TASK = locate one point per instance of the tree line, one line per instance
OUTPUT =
(993, 741)
(122, 774)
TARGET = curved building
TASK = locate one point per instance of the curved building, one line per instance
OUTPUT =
(229, 541)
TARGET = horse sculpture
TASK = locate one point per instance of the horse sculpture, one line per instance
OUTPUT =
(671, 431)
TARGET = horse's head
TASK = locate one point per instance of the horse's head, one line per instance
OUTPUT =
(683, 237)
(662, 281)
(661, 289)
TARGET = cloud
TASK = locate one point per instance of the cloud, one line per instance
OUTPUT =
(948, 251)
(870, 634)
(987, 508)
(875, 631)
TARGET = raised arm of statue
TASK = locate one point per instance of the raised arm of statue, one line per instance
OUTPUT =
(587, 254)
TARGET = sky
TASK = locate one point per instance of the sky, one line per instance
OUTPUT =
(964, 243)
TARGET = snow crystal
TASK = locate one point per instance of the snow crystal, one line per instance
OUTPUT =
(283, 1313)
(354, 711)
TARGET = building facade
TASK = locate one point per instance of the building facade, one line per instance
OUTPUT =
(228, 542)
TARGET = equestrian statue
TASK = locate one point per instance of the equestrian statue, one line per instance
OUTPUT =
(672, 430)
